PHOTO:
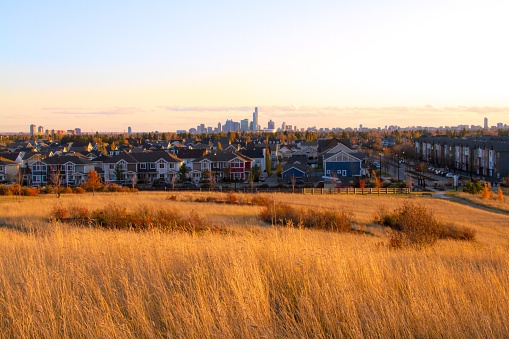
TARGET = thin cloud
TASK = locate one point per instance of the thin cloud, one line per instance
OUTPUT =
(205, 109)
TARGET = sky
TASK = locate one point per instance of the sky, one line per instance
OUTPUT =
(168, 65)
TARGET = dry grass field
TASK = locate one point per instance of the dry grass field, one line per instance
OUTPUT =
(255, 281)
(490, 203)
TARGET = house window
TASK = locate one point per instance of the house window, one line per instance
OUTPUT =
(112, 166)
(143, 166)
(328, 171)
(172, 166)
(36, 168)
(161, 165)
(344, 173)
(152, 166)
(339, 172)
(161, 175)
(1, 169)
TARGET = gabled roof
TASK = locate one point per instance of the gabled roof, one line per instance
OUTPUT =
(222, 156)
(7, 162)
(253, 153)
(65, 159)
(341, 157)
(116, 158)
(154, 157)
(298, 167)
(185, 153)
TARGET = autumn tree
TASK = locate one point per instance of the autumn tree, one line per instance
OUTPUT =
(500, 194)
(93, 182)
(362, 184)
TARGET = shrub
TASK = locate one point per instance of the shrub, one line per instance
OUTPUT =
(413, 225)
(143, 218)
(4, 190)
(473, 188)
(486, 191)
(231, 198)
(500, 195)
(65, 190)
(79, 190)
(284, 214)
(46, 190)
(260, 201)
(29, 191)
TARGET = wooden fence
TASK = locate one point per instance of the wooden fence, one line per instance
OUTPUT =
(299, 190)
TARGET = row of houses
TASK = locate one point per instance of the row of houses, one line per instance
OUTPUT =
(40, 161)
(486, 156)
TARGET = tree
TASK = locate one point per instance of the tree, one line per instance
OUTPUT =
(362, 184)
(134, 179)
(118, 173)
(93, 182)
(500, 194)
(55, 179)
(219, 147)
(279, 169)
(182, 173)
(268, 165)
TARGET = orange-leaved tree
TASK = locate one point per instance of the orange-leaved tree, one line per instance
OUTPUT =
(93, 182)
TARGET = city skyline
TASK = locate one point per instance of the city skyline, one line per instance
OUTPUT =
(168, 66)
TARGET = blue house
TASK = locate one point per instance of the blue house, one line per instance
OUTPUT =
(342, 165)
(294, 170)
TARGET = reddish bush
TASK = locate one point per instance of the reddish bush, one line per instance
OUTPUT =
(79, 190)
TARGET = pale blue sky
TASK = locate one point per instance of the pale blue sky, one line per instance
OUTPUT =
(105, 65)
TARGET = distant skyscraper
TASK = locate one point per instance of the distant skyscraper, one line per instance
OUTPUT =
(40, 130)
(271, 125)
(283, 126)
(32, 129)
(485, 123)
(255, 119)
(219, 127)
(244, 125)
(77, 131)
(129, 130)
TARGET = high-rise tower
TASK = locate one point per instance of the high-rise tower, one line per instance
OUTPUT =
(255, 119)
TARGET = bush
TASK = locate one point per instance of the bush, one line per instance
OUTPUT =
(413, 225)
(65, 190)
(79, 190)
(143, 218)
(473, 188)
(231, 198)
(284, 214)
(6, 190)
(29, 191)
(260, 201)
(46, 190)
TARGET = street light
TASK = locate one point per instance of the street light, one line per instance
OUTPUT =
(380, 164)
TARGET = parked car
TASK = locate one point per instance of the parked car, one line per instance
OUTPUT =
(449, 175)
(188, 184)
(161, 184)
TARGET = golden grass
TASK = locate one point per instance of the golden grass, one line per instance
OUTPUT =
(491, 203)
(259, 281)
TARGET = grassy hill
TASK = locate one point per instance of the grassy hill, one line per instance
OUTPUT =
(250, 280)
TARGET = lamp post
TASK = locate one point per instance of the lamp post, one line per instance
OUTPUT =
(380, 164)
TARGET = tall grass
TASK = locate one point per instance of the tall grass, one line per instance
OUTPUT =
(61, 281)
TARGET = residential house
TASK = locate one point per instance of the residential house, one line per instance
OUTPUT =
(342, 165)
(9, 169)
(223, 165)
